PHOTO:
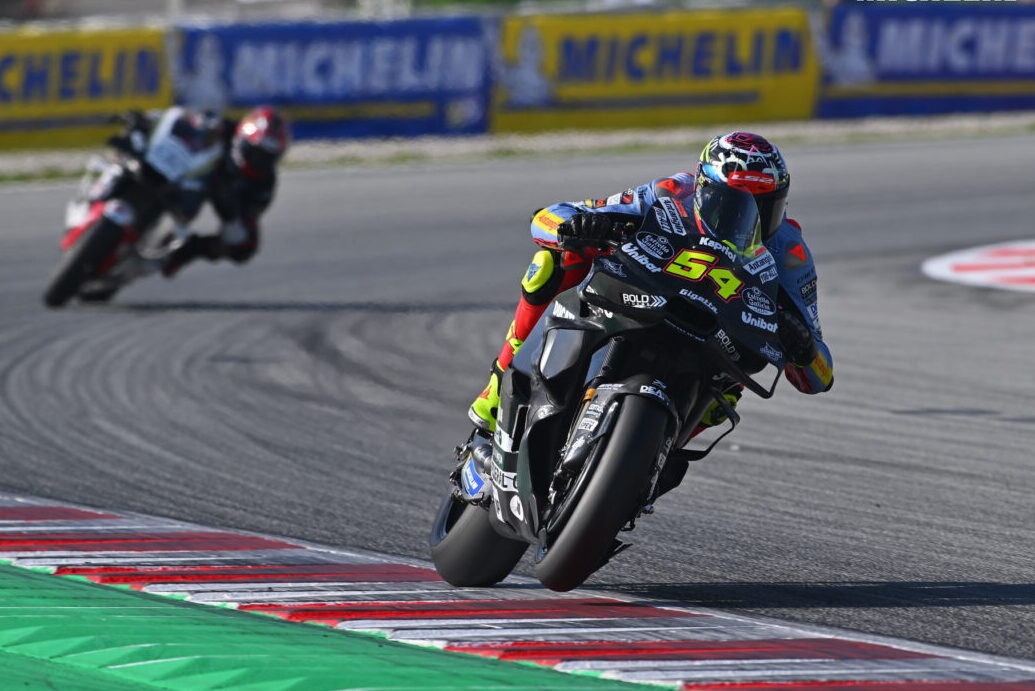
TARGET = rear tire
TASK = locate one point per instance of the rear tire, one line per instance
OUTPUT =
(81, 261)
(467, 550)
(611, 498)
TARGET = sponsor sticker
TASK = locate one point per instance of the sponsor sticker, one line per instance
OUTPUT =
(757, 322)
(808, 289)
(727, 343)
(708, 304)
(655, 245)
(613, 267)
(588, 425)
(758, 302)
(473, 482)
(516, 508)
(719, 247)
(643, 301)
(640, 258)
(675, 218)
(768, 275)
(764, 261)
(772, 354)
(505, 481)
(814, 316)
(560, 310)
(655, 392)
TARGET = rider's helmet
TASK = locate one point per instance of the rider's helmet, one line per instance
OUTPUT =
(260, 139)
(751, 163)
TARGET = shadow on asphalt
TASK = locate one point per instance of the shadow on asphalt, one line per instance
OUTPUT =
(307, 306)
(833, 595)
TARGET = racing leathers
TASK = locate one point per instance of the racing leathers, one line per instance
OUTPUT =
(239, 200)
(554, 269)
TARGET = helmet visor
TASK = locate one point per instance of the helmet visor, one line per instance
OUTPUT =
(771, 208)
(730, 215)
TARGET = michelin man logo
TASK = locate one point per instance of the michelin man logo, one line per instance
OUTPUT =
(201, 86)
(524, 79)
(849, 64)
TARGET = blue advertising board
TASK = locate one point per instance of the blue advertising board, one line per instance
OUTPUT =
(927, 58)
(343, 79)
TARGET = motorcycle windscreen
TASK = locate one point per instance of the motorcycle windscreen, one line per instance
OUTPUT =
(730, 216)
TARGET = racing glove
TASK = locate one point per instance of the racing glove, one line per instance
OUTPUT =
(798, 342)
(588, 229)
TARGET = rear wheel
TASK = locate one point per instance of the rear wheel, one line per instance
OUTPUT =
(611, 497)
(81, 261)
(467, 550)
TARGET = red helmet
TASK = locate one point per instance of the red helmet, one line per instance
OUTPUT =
(751, 163)
(260, 139)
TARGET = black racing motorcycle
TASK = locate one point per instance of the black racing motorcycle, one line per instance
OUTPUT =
(608, 388)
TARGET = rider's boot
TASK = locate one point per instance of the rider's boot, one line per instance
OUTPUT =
(714, 414)
(485, 408)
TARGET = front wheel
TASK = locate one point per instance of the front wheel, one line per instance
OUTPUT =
(81, 261)
(467, 550)
(611, 498)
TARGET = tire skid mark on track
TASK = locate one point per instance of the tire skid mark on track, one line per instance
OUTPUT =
(580, 631)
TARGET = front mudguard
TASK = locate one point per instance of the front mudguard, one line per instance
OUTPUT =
(597, 414)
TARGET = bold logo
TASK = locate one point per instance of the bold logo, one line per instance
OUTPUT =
(709, 305)
(655, 245)
(758, 302)
(756, 265)
(718, 247)
(757, 322)
(505, 481)
(727, 344)
(643, 301)
(640, 258)
(808, 289)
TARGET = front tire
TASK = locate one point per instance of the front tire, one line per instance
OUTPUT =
(612, 497)
(467, 550)
(81, 261)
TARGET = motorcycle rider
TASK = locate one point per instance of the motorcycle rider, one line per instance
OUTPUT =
(240, 183)
(739, 159)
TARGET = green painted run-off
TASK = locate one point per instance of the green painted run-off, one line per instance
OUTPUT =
(62, 633)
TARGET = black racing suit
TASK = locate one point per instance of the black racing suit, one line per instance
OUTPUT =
(239, 200)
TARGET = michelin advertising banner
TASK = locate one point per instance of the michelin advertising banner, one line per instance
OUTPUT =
(61, 88)
(643, 70)
(343, 79)
(929, 58)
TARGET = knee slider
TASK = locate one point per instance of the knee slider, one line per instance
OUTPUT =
(543, 277)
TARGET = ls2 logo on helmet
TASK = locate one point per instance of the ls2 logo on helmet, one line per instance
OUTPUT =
(758, 302)
(655, 245)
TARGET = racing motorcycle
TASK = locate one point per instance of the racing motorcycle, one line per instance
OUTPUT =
(607, 390)
(113, 224)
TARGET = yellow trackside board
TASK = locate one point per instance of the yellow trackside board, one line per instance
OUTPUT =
(60, 88)
(659, 69)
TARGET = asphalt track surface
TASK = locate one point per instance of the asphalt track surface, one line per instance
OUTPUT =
(317, 392)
